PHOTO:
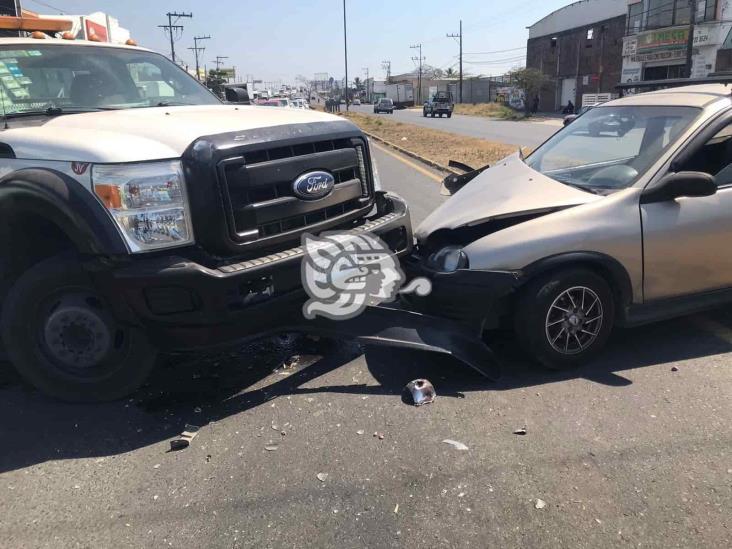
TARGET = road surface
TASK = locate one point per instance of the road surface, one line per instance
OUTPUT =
(523, 134)
(624, 452)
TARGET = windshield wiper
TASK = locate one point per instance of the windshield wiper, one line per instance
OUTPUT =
(173, 104)
(580, 187)
(57, 111)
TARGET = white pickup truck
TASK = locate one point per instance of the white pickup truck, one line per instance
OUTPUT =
(139, 213)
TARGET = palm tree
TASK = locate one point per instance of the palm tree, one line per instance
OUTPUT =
(450, 72)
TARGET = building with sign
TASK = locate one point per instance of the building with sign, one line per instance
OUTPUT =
(579, 49)
(655, 47)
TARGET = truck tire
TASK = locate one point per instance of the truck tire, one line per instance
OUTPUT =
(424, 113)
(63, 339)
(565, 318)
(449, 115)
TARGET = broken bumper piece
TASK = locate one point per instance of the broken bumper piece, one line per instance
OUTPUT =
(391, 326)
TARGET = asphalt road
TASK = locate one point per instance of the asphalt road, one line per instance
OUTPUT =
(523, 134)
(625, 451)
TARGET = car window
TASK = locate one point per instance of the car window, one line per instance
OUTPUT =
(609, 148)
(36, 77)
(714, 158)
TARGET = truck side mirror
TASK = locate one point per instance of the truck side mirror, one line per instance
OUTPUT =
(681, 184)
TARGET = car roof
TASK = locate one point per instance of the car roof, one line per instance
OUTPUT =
(61, 42)
(686, 96)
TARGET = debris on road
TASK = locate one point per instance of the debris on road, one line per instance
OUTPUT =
(271, 447)
(674, 368)
(292, 362)
(360, 432)
(522, 431)
(457, 445)
(396, 509)
(185, 438)
(540, 504)
(379, 436)
(422, 392)
(197, 410)
(322, 477)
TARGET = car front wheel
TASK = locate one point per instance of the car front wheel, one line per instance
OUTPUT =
(565, 318)
(63, 338)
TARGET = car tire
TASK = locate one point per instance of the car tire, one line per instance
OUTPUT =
(565, 318)
(449, 115)
(63, 338)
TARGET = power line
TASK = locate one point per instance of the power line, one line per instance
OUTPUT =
(170, 27)
(492, 52)
(460, 36)
(197, 49)
(44, 4)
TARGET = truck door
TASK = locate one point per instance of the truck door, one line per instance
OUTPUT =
(688, 241)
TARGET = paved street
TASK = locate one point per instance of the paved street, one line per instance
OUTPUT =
(623, 452)
(524, 134)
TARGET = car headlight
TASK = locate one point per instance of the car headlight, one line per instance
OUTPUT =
(449, 259)
(147, 201)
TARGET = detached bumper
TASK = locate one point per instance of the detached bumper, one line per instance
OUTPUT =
(182, 304)
(473, 297)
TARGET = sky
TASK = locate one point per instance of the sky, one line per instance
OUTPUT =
(279, 40)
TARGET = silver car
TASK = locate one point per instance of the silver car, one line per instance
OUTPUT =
(622, 218)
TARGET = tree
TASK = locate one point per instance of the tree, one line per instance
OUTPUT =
(530, 81)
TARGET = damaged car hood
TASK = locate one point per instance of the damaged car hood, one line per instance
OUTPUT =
(508, 189)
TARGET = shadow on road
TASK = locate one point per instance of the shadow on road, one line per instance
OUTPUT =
(34, 429)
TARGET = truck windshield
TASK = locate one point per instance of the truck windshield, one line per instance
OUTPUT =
(609, 148)
(68, 78)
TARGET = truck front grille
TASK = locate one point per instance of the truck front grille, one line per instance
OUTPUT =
(259, 196)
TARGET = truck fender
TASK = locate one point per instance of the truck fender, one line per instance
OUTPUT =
(66, 203)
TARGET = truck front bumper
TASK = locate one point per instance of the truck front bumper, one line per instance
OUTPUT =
(182, 304)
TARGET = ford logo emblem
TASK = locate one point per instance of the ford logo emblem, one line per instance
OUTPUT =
(313, 185)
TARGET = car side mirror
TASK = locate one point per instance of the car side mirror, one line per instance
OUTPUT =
(681, 184)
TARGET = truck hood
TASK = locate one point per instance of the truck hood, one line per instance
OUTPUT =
(133, 135)
(511, 188)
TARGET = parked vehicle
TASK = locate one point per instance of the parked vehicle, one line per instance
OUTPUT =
(384, 105)
(140, 213)
(277, 102)
(439, 104)
(357, 102)
(402, 95)
(621, 218)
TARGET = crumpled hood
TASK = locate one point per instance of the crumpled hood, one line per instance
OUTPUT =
(507, 189)
(132, 135)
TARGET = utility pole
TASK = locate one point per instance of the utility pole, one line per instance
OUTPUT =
(368, 89)
(197, 49)
(460, 36)
(690, 42)
(219, 61)
(345, 48)
(170, 27)
(420, 59)
(386, 65)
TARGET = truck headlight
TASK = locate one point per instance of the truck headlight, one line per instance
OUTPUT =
(147, 201)
(449, 259)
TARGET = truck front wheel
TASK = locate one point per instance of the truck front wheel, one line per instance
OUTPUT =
(62, 337)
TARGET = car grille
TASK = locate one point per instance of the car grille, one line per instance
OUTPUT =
(259, 195)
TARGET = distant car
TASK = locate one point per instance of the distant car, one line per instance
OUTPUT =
(384, 105)
(572, 117)
(439, 104)
(277, 102)
(357, 102)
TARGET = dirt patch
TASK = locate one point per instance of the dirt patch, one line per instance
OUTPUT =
(488, 110)
(436, 145)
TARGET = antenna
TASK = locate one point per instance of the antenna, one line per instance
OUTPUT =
(5, 114)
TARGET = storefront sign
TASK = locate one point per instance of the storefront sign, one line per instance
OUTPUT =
(667, 55)
(665, 39)
(630, 46)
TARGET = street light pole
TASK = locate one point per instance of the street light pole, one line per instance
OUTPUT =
(345, 48)
(690, 41)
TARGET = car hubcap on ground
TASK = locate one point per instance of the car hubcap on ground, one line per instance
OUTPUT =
(574, 320)
(76, 333)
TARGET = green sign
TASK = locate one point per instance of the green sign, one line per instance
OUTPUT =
(667, 39)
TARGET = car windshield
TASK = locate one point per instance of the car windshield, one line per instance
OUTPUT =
(609, 148)
(35, 78)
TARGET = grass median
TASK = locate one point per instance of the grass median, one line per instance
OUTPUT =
(435, 145)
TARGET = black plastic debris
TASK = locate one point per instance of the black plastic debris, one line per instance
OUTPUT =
(520, 432)
(185, 438)
(422, 392)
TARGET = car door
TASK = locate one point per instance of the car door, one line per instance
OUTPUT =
(687, 242)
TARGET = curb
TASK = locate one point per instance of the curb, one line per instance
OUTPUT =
(406, 152)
